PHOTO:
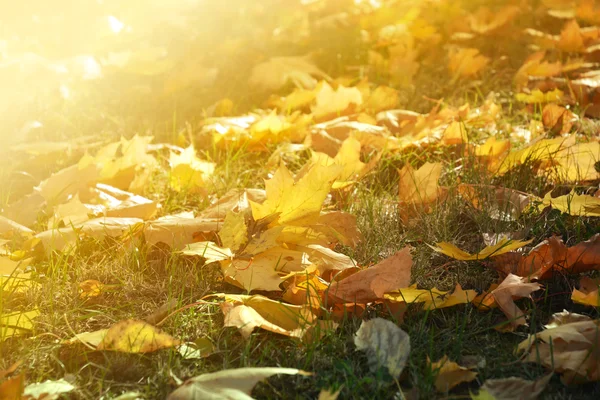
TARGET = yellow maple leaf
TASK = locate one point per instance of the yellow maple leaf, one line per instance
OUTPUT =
(503, 246)
(296, 202)
(450, 374)
(571, 39)
(333, 103)
(188, 171)
(466, 62)
(420, 186)
(432, 298)
(455, 133)
(348, 157)
(573, 204)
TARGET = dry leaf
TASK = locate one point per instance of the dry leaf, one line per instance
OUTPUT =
(179, 230)
(569, 349)
(189, 172)
(48, 390)
(512, 388)
(513, 287)
(503, 246)
(90, 288)
(272, 75)
(249, 312)
(127, 336)
(234, 232)
(371, 283)
(385, 343)
(330, 103)
(432, 298)
(12, 388)
(420, 186)
(464, 63)
(296, 202)
(16, 323)
(227, 384)
(587, 293)
(450, 374)
(329, 394)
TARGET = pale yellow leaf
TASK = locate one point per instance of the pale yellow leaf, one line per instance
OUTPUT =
(385, 343)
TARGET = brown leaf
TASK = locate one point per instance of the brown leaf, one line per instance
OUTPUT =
(371, 283)
(513, 388)
(552, 255)
(513, 287)
(570, 349)
(11, 389)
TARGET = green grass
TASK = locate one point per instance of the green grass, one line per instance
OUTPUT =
(147, 278)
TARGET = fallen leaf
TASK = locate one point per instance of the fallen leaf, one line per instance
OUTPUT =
(432, 298)
(466, 62)
(571, 39)
(330, 103)
(47, 390)
(9, 227)
(16, 323)
(552, 255)
(200, 348)
(10, 370)
(63, 239)
(573, 204)
(512, 388)
(569, 349)
(385, 343)
(371, 283)
(450, 374)
(298, 203)
(264, 270)
(503, 246)
(587, 293)
(249, 312)
(557, 118)
(272, 75)
(180, 230)
(12, 388)
(189, 172)
(485, 21)
(227, 384)
(565, 317)
(537, 96)
(455, 133)
(512, 287)
(234, 233)
(329, 394)
(127, 336)
(90, 288)
(420, 186)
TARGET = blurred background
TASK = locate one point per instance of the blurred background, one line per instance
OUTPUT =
(69, 68)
